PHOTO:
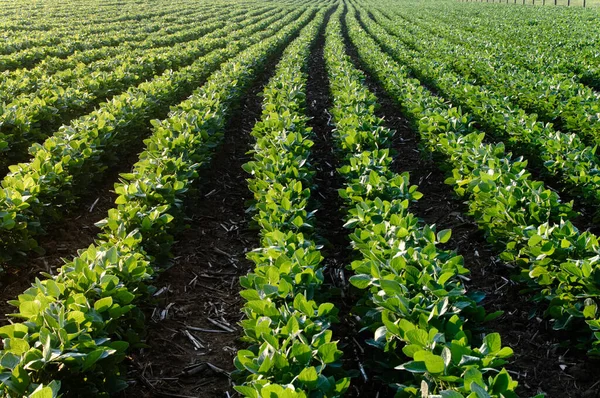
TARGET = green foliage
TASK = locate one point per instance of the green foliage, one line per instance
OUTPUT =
(558, 154)
(414, 302)
(28, 116)
(521, 216)
(291, 351)
(65, 165)
(77, 326)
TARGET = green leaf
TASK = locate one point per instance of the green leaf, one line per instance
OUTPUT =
(329, 353)
(361, 281)
(17, 346)
(95, 356)
(20, 378)
(444, 235)
(433, 363)
(479, 391)
(309, 377)
(413, 367)
(9, 360)
(103, 304)
(247, 391)
(30, 308)
(534, 240)
(590, 311)
(125, 297)
(451, 394)
(501, 382)
(493, 342)
(302, 353)
(42, 392)
(391, 287)
(112, 255)
(15, 330)
(325, 309)
(342, 385)
(418, 337)
(52, 288)
(301, 304)
(473, 377)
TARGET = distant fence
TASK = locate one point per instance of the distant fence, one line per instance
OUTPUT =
(584, 3)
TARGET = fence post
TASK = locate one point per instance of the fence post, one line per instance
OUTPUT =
(583, 3)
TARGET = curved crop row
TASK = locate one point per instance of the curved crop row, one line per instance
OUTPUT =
(30, 117)
(77, 41)
(38, 38)
(532, 45)
(560, 154)
(574, 106)
(65, 164)
(79, 324)
(61, 71)
(292, 353)
(166, 32)
(519, 214)
(48, 18)
(414, 301)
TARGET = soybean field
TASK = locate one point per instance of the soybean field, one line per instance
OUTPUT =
(299, 199)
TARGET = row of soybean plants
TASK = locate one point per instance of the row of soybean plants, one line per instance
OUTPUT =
(520, 215)
(543, 40)
(414, 303)
(77, 326)
(558, 154)
(35, 193)
(150, 34)
(555, 96)
(291, 352)
(30, 117)
(51, 36)
(44, 17)
(76, 38)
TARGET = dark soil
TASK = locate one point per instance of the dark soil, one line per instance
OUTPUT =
(330, 218)
(539, 364)
(330, 215)
(63, 240)
(75, 230)
(203, 283)
(587, 220)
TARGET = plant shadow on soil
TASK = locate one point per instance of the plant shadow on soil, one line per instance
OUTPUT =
(64, 238)
(330, 218)
(540, 364)
(76, 229)
(189, 354)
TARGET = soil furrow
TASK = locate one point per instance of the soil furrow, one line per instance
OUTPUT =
(188, 353)
(539, 364)
(75, 231)
(330, 222)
